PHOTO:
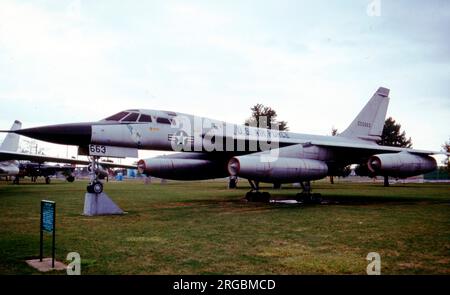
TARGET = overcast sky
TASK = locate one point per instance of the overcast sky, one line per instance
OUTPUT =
(315, 62)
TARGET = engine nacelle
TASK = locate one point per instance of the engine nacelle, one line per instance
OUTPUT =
(400, 165)
(180, 169)
(281, 170)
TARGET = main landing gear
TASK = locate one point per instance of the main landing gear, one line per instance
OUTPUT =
(306, 196)
(254, 195)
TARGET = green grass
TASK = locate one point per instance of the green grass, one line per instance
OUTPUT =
(204, 228)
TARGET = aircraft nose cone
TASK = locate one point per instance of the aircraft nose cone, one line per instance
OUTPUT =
(68, 134)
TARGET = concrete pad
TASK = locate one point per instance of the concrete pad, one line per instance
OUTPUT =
(46, 264)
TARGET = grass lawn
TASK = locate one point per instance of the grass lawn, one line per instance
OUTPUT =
(204, 228)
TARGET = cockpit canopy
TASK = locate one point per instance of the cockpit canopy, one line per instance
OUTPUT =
(128, 116)
(136, 116)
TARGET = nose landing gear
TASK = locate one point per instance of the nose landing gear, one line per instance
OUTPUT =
(97, 202)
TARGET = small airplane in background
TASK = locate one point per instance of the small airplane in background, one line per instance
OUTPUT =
(35, 170)
(212, 149)
(35, 167)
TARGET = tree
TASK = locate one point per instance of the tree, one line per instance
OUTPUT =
(446, 147)
(258, 111)
(270, 120)
(334, 131)
(392, 136)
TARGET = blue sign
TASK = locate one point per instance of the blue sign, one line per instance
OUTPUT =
(48, 216)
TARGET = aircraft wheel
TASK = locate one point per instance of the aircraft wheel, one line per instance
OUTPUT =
(97, 187)
(70, 179)
(249, 196)
(303, 197)
(47, 180)
(306, 198)
(317, 198)
(258, 196)
(232, 183)
(265, 197)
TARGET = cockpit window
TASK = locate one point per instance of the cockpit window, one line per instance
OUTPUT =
(117, 116)
(163, 120)
(145, 118)
(132, 117)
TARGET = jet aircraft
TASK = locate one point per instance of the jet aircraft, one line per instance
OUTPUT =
(212, 149)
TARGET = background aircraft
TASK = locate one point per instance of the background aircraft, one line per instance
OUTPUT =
(34, 165)
(205, 143)
(35, 170)
(9, 144)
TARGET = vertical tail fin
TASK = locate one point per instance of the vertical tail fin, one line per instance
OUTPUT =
(11, 142)
(368, 125)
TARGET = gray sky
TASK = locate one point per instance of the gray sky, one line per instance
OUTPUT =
(315, 62)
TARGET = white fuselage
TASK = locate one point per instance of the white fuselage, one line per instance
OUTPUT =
(195, 133)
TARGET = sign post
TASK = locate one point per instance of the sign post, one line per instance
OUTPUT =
(48, 211)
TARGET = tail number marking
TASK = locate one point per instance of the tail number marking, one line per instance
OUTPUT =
(364, 124)
(96, 150)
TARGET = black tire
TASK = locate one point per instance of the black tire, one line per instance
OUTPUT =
(70, 178)
(265, 197)
(47, 180)
(317, 198)
(249, 196)
(302, 197)
(232, 183)
(309, 198)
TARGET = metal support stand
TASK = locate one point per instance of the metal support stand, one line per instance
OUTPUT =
(100, 204)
